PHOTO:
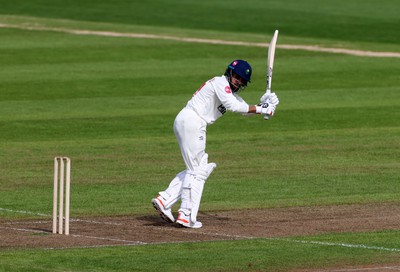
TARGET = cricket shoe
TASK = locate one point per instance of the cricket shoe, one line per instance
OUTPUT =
(165, 214)
(184, 220)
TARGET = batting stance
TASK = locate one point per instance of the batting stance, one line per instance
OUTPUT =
(208, 103)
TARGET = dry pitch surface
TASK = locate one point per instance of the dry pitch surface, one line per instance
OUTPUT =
(275, 224)
(227, 225)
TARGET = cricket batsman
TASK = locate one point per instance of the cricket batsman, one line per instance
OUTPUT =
(208, 103)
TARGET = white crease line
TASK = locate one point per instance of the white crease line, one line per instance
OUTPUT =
(364, 269)
(78, 235)
(24, 212)
(110, 239)
(313, 48)
(361, 246)
(27, 222)
(95, 246)
(338, 244)
(227, 235)
(136, 244)
(316, 242)
(71, 219)
(295, 241)
(26, 230)
(95, 222)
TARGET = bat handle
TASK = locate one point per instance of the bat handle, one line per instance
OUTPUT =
(269, 81)
(268, 91)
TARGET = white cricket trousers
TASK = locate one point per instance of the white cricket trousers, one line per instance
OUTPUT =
(190, 131)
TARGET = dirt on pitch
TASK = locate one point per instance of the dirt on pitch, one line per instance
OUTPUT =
(223, 225)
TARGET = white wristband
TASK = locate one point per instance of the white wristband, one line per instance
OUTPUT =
(258, 109)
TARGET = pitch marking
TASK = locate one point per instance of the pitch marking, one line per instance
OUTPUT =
(136, 243)
(71, 219)
(361, 246)
(312, 48)
(365, 269)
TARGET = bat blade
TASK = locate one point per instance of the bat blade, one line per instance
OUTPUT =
(270, 61)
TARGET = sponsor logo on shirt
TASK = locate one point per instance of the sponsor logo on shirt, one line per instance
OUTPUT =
(221, 109)
(228, 89)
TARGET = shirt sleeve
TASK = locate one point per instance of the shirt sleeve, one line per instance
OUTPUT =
(230, 101)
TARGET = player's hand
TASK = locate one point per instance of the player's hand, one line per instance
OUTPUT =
(271, 98)
(264, 97)
(269, 111)
(266, 109)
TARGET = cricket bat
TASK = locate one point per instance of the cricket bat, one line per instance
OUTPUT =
(270, 63)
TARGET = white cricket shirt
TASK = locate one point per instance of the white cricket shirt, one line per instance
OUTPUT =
(212, 100)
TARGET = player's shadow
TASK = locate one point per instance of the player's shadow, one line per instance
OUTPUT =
(213, 216)
(155, 220)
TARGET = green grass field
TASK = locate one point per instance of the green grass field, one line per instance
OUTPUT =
(109, 104)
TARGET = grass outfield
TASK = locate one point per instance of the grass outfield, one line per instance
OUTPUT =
(247, 255)
(109, 104)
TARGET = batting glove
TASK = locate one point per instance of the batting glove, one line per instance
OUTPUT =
(271, 98)
(266, 109)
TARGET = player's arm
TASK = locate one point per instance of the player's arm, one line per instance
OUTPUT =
(252, 109)
(264, 109)
(229, 100)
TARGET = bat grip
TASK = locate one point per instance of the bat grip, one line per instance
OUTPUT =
(269, 82)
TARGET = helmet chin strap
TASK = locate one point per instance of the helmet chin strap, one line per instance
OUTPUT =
(235, 88)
